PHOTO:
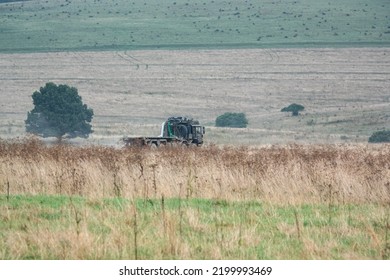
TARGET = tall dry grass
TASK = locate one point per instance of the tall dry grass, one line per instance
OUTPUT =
(275, 181)
(280, 174)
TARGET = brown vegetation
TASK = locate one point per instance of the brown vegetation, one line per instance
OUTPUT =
(282, 174)
(269, 202)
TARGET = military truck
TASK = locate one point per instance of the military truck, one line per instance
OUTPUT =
(174, 131)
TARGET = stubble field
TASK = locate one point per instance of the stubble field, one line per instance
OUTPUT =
(344, 91)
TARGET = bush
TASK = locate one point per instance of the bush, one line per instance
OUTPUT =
(231, 120)
(380, 137)
(294, 108)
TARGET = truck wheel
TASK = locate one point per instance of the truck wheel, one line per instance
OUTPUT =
(182, 131)
(185, 144)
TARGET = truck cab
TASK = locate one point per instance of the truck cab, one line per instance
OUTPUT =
(197, 134)
(183, 128)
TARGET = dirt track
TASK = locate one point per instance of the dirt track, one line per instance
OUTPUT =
(144, 87)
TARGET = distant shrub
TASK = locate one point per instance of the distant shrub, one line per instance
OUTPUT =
(294, 108)
(380, 137)
(231, 120)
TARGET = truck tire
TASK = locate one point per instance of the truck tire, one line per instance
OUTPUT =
(182, 131)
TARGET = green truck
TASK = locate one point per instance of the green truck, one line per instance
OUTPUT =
(174, 131)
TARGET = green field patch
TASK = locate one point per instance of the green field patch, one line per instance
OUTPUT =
(50, 215)
(102, 25)
(55, 202)
(52, 227)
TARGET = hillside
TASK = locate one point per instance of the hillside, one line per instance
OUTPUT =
(344, 91)
(137, 63)
(64, 25)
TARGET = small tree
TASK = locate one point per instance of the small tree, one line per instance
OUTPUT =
(231, 120)
(294, 108)
(58, 112)
(380, 137)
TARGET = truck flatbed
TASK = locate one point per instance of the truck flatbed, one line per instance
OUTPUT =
(150, 141)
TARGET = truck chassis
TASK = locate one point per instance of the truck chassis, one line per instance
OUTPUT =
(154, 141)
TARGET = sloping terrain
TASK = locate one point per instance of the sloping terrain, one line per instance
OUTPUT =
(72, 25)
(344, 91)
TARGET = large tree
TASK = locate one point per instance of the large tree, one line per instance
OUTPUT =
(59, 112)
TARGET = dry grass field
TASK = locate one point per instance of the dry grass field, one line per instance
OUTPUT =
(293, 174)
(273, 202)
(345, 91)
